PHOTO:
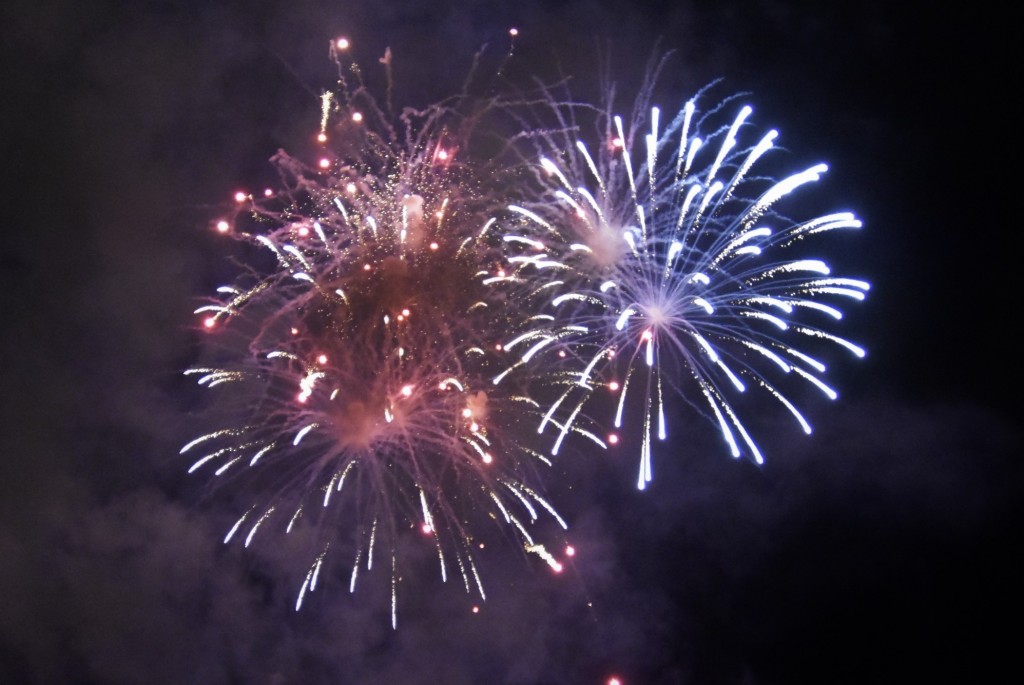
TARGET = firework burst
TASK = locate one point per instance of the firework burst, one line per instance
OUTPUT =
(661, 265)
(377, 370)
(353, 374)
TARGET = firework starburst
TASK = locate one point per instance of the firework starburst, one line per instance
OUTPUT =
(661, 264)
(353, 372)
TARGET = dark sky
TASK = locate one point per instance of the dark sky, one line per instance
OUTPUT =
(881, 549)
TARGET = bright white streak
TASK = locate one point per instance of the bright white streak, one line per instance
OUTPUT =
(533, 217)
(844, 292)
(256, 457)
(704, 304)
(316, 571)
(565, 428)
(708, 196)
(536, 244)
(736, 382)
(827, 223)
(706, 345)
(768, 354)
(818, 366)
(694, 191)
(298, 255)
(295, 517)
(329, 489)
(585, 374)
(771, 302)
(302, 590)
(673, 251)
(208, 458)
(252, 532)
(226, 466)
(662, 427)
(585, 194)
(858, 351)
(320, 234)
(737, 242)
(570, 296)
(779, 323)
(428, 520)
(208, 436)
(620, 323)
(538, 347)
(684, 131)
(622, 399)
(700, 278)
(831, 311)
(726, 431)
(829, 392)
(590, 163)
(302, 433)
(341, 208)
(551, 168)
(789, 405)
(783, 188)
(220, 309)
(729, 142)
(551, 412)
(235, 527)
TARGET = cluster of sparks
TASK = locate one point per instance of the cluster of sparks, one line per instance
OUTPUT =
(391, 370)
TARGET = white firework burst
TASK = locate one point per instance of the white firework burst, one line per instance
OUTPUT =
(662, 265)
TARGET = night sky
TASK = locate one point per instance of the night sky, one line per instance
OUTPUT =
(881, 549)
